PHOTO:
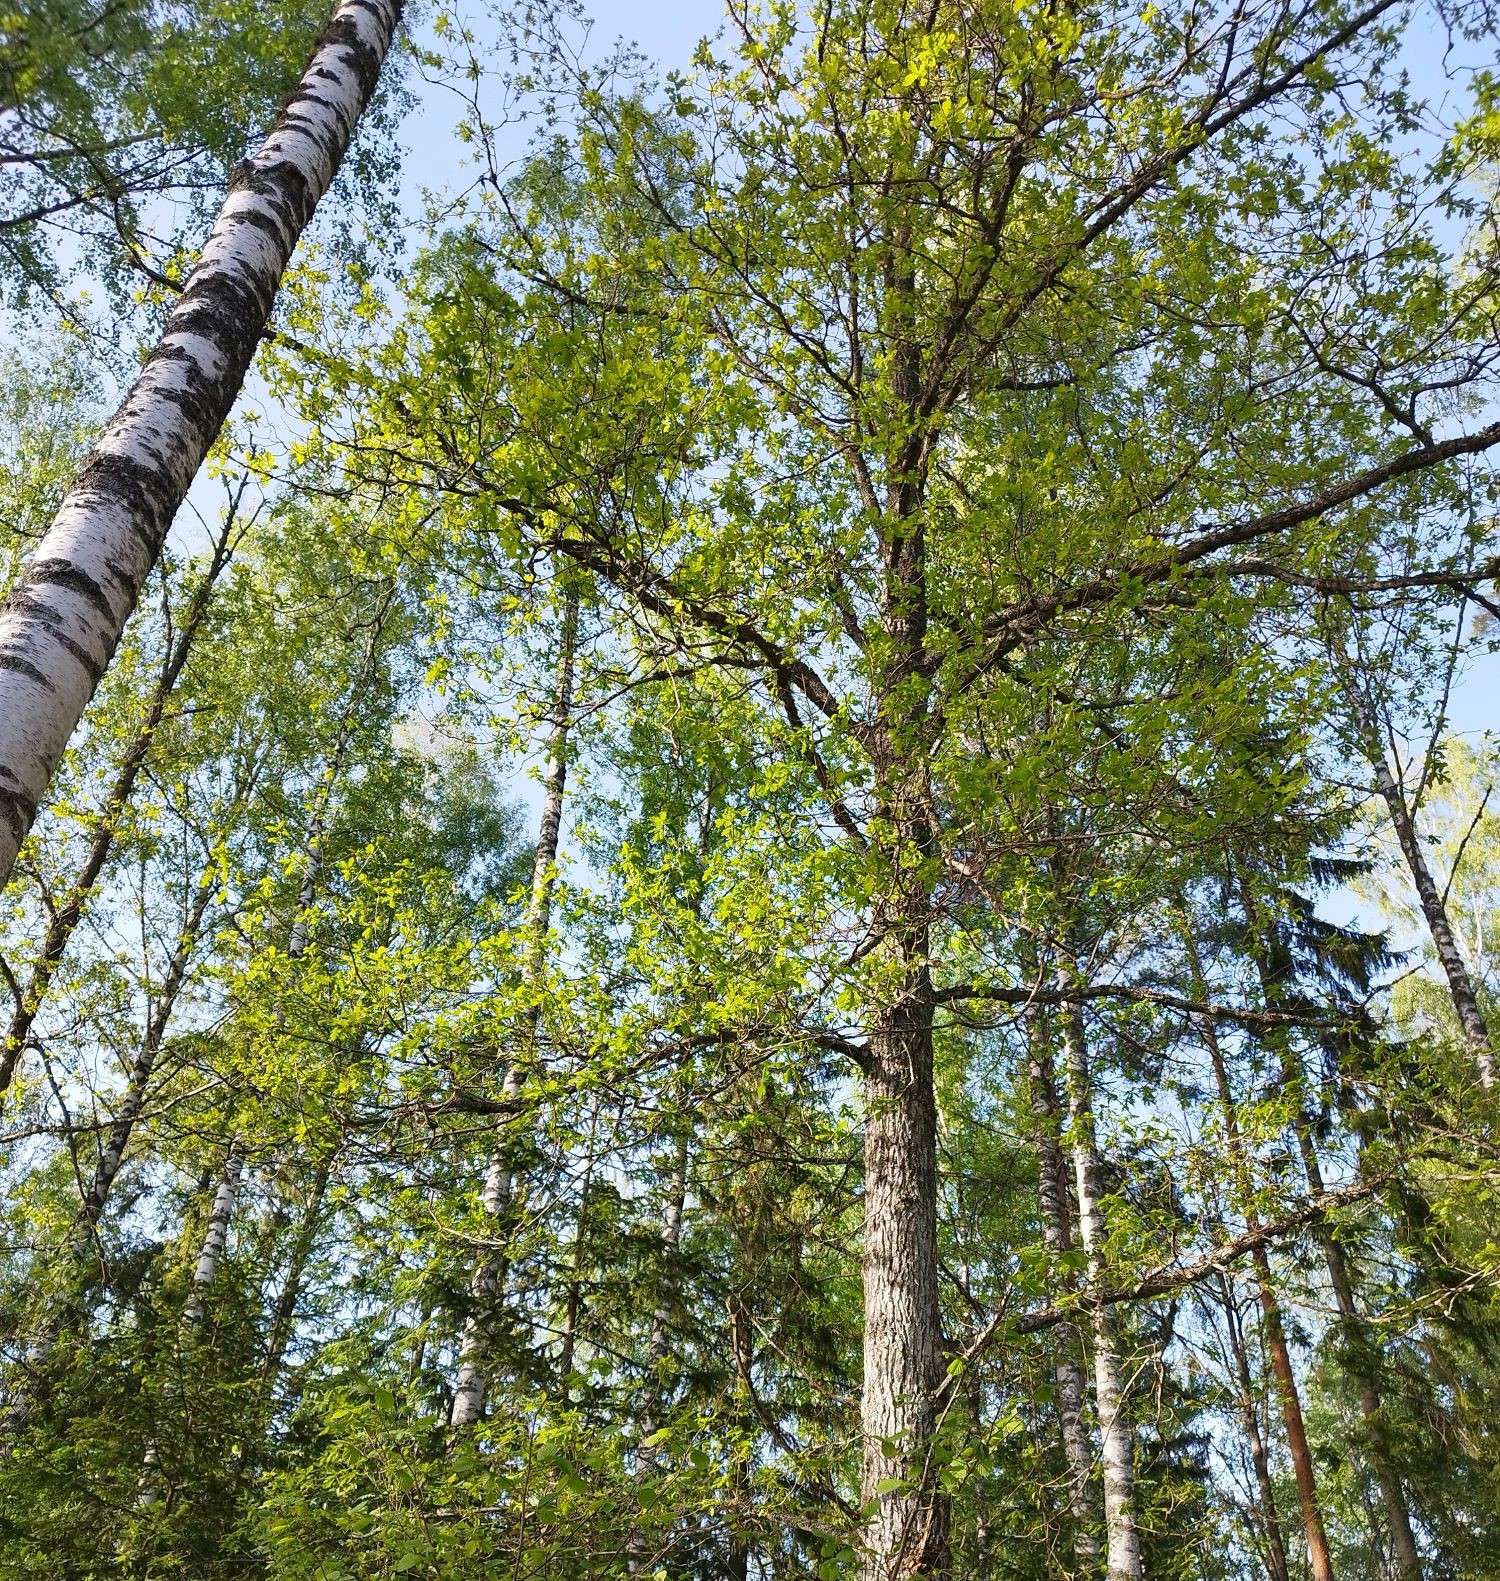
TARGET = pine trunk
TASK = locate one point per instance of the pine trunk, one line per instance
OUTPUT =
(1276, 1563)
(62, 622)
(1392, 1496)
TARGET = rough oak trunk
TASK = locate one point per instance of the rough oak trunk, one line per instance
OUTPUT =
(1068, 1373)
(499, 1185)
(1116, 1437)
(63, 620)
(907, 1529)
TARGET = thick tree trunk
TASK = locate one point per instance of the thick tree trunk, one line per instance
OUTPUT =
(1276, 1563)
(1460, 984)
(499, 1185)
(66, 917)
(1068, 1373)
(907, 1529)
(215, 1235)
(62, 622)
(1116, 1437)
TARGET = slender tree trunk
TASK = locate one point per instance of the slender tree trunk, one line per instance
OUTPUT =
(215, 1234)
(1052, 1198)
(573, 1301)
(1116, 1437)
(1276, 1563)
(499, 1185)
(1460, 983)
(1318, 1556)
(1392, 1496)
(659, 1344)
(66, 917)
(284, 1316)
(117, 1139)
(111, 1156)
(61, 624)
(742, 1349)
(1275, 1329)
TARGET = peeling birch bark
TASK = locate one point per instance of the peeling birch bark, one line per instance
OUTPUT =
(63, 620)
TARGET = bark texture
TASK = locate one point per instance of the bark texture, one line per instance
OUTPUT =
(62, 622)
(215, 1235)
(66, 917)
(904, 1367)
(499, 1185)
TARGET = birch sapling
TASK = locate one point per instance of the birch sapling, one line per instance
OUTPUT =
(62, 621)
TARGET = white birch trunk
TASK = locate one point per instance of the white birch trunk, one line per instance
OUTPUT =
(661, 1319)
(62, 622)
(499, 1187)
(1460, 983)
(1116, 1438)
(66, 917)
(215, 1235)
(1078, 1452)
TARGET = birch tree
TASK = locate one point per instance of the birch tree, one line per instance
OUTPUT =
(61, 622)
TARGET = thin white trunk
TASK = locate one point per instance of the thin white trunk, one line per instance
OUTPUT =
(499, 1186)
(1460, 983)
(215, 1235)
(63, 620)
(661, 1320)
(1068, 1374)
(1116, 1438)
